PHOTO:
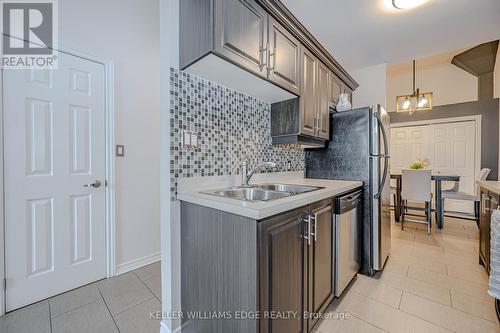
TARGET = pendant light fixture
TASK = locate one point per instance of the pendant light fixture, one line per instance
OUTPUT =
(416, 101)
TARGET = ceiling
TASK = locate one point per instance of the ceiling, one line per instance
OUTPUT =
(361, 33)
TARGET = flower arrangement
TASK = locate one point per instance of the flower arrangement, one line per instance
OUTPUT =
(419, 164)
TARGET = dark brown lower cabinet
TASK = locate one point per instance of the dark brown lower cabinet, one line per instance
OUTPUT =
(320, 261)
(296, 268)
(280, 268)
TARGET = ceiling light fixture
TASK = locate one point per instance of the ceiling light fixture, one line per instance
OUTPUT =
(406, 4)
(416, 101)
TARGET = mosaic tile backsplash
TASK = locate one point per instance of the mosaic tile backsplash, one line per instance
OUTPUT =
(230, 127)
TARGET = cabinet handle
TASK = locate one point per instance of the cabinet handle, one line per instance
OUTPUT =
(315, 226)
(308, 237)
(269, 55)
(485, 199)
(262, 56)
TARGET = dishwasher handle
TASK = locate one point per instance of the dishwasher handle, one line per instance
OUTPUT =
(348, 202)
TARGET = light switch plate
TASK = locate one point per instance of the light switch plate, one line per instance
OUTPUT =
(120, 151)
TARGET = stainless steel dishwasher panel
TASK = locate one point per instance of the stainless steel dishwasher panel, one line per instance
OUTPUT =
(347, 251)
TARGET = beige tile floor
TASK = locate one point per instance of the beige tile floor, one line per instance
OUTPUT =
(120, 304)
(430, 284)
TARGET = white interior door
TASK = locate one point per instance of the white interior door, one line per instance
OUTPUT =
(54, 146)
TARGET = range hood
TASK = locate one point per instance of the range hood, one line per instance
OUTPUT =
(285, 126)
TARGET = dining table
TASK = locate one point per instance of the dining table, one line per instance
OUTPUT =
(439, 208)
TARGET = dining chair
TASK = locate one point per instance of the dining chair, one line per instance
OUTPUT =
(394, 198)
(454, 194)
(416, 187)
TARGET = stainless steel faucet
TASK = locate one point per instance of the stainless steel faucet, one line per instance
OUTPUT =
(246, 175)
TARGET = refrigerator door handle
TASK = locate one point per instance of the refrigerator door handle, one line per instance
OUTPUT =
(384, 178)
(384, 134)
(386, 154)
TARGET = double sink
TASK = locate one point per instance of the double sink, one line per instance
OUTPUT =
(263, 192)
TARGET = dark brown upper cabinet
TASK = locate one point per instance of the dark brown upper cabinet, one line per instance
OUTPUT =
(308, 101)
(305, 120)
(241, 33)
(335, 88)
(254, 47)
(323, 103)
(283, 57)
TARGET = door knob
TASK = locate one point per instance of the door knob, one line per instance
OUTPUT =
(95, 184)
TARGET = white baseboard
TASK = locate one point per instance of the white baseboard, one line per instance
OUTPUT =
(137, 263)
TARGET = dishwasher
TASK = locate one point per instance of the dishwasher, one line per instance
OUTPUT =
(347, 220)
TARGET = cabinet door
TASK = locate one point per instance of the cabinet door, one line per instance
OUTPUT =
(323, 96)
(320, 258)
(284, 57)
(484, 229)
(349, 92)
(241, 33)
(281, 246)
(308, 108)
(334, 87)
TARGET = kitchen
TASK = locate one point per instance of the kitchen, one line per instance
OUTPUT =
(267, 234)
(254, 166)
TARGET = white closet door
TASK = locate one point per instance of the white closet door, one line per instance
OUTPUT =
(408, 144)
(453, 152)
(450, 149)
(54, 146)
(399, 149)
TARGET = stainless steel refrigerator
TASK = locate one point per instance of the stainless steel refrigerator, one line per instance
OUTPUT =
(358, 149)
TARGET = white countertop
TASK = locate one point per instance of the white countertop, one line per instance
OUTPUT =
(261, 210)
(490, 185)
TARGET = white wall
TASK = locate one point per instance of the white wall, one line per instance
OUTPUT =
(170, 215)
(372, 86)
(436, 74)
(496, 84)
(128, 33)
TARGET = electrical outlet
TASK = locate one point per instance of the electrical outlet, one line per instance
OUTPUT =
(120, 151)
(186, 139)
(189, 139)
(194, 140)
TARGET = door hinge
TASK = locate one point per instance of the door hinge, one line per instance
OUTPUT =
(106, 183)
(5, 284)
